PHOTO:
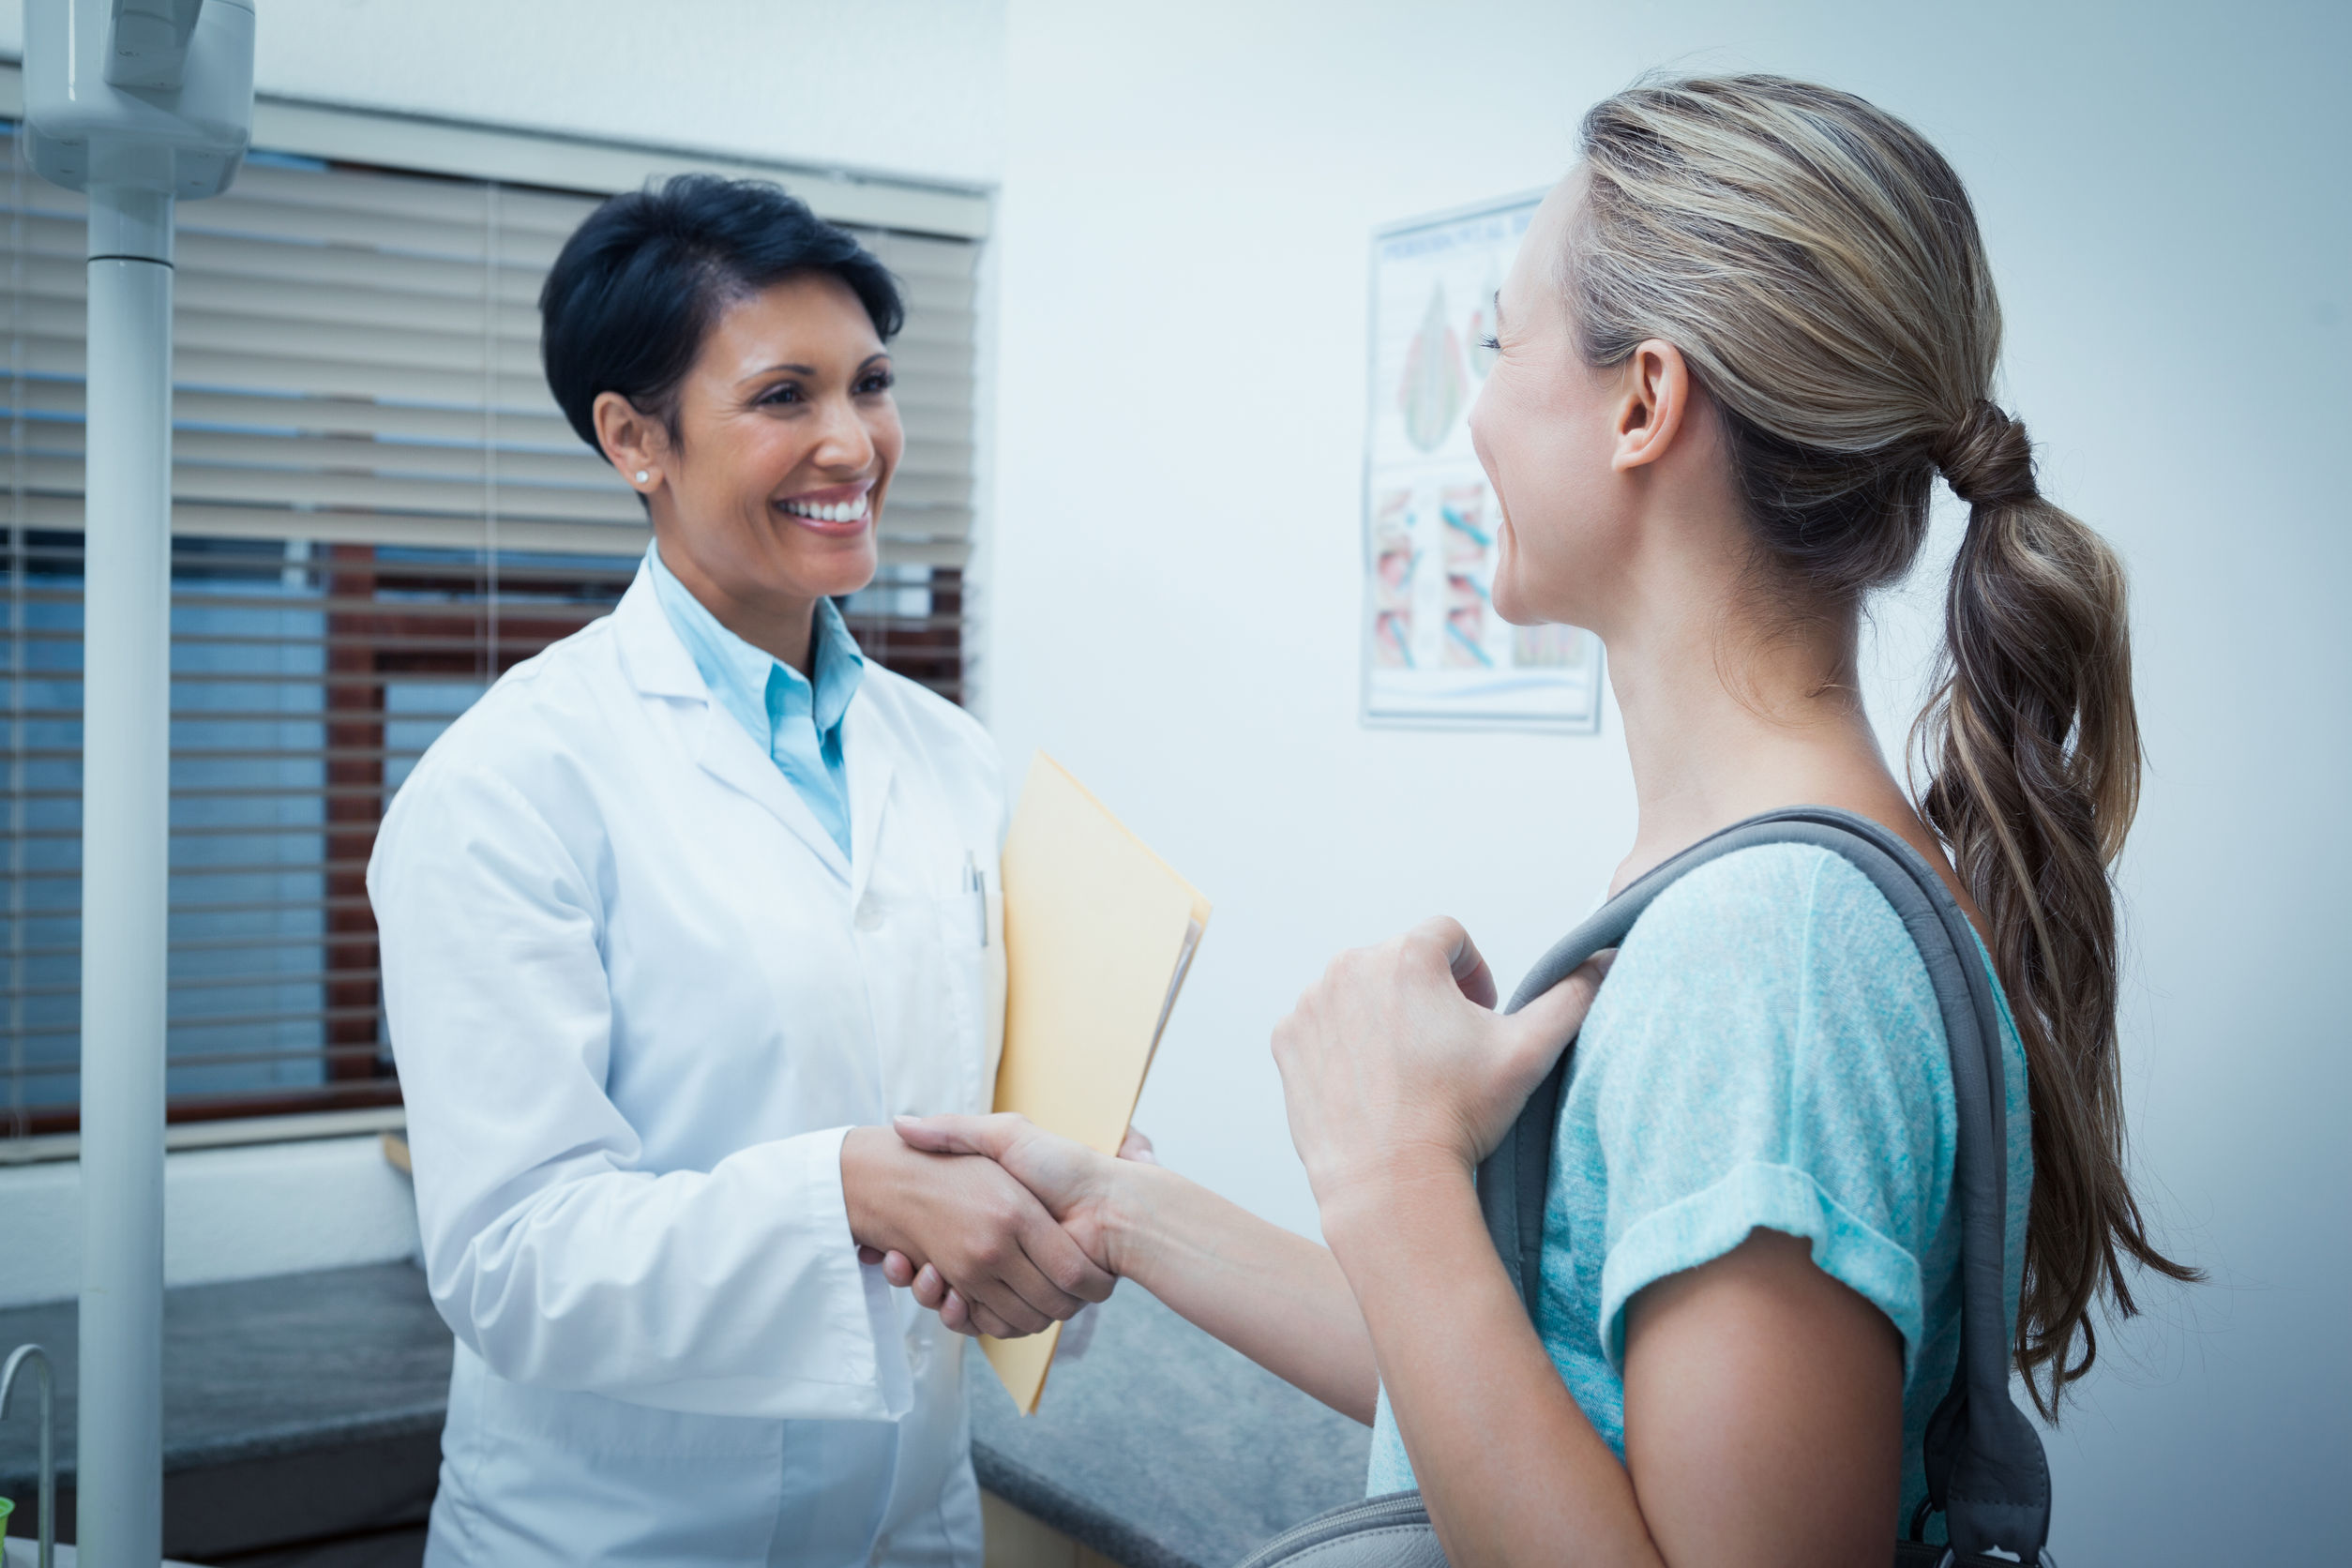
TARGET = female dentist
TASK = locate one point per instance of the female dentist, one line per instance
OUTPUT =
(675, 921)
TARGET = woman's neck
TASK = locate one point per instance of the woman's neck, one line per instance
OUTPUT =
(782, 625)
(1726, 717)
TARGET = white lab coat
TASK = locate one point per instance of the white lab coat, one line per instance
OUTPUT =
(636, 996)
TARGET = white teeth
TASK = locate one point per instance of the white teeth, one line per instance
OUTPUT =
(845, 511)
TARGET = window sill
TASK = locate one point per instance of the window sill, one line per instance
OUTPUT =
(222, 1135)
(280, 1207)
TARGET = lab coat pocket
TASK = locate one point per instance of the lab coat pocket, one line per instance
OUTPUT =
(974, 983)
(584, 1423)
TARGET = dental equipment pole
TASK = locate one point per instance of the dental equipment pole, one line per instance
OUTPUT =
(141, 104)
(126, 675)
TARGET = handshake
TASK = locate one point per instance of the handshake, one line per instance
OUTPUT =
(1394, 1068)
(997, 1224)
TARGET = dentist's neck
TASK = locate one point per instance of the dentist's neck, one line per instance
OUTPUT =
(779, 624)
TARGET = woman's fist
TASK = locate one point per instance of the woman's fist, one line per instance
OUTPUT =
(1397, 1055)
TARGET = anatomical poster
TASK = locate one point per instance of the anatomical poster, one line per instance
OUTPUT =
(1435, 651)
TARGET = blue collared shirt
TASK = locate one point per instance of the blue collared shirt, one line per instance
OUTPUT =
(798, 725)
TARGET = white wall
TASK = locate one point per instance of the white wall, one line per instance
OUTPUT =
(1188, 193)
(907, 87)
(229, 1213)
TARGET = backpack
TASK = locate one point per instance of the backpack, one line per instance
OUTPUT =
(1985, 1470)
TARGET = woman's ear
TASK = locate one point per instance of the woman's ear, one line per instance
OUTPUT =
(1654, 394)
(634, 442)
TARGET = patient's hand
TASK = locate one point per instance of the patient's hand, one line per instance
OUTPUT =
(1076, 1185)
(1397, 1060)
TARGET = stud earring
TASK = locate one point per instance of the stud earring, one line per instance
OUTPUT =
(642, 475)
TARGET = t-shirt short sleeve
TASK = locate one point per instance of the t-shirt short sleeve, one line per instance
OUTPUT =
(1766, 1052)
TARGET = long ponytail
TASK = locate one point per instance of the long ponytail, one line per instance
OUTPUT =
(2035, 751)
(1820, 267)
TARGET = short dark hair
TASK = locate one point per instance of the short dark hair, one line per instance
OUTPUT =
(637, 286)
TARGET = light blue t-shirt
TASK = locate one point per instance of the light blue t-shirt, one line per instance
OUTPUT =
(796, 723)
(1766, 1053)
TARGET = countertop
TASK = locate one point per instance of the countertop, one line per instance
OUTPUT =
(1159, 1448)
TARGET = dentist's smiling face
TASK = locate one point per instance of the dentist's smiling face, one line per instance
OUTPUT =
(787, 435)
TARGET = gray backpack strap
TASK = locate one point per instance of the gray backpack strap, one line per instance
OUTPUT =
(1513, 1181)
(1985, 1469)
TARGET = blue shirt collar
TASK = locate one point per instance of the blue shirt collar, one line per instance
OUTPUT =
(761, 690)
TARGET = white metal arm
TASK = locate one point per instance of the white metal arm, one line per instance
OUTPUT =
(140, 102)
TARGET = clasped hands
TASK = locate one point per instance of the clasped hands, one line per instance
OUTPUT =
(997, 1224)
(1395, 1069)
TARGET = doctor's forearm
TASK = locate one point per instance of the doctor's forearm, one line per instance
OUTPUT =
(720, 1292)
(1271, 1294)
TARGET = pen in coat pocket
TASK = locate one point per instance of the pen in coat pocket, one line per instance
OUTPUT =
(978, 882)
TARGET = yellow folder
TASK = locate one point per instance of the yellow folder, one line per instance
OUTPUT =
(1098, 936)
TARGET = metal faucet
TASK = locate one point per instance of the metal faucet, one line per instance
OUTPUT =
(39, 1358)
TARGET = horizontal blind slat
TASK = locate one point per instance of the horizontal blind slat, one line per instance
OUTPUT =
(58, 403)
(410, 196)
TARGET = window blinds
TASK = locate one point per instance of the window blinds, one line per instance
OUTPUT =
(376, 509)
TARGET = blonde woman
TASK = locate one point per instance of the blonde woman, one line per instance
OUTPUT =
(1742, 340)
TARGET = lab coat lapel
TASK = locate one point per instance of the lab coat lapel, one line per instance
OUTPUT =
(735, 760)
(659, 666)
(866, 749)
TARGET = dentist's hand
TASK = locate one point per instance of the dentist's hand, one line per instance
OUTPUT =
(1076, 1185)
(1396, 1061)
(975, 1226)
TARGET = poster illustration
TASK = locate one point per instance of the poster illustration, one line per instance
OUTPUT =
(1435, 651)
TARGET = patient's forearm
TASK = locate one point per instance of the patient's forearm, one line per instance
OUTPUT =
(1271, 1294)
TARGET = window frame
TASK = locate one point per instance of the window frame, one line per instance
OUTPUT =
(403, 144)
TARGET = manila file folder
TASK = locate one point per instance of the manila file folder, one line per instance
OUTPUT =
(1098, 936)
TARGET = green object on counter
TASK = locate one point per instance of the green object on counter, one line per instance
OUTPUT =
(6, 1508)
